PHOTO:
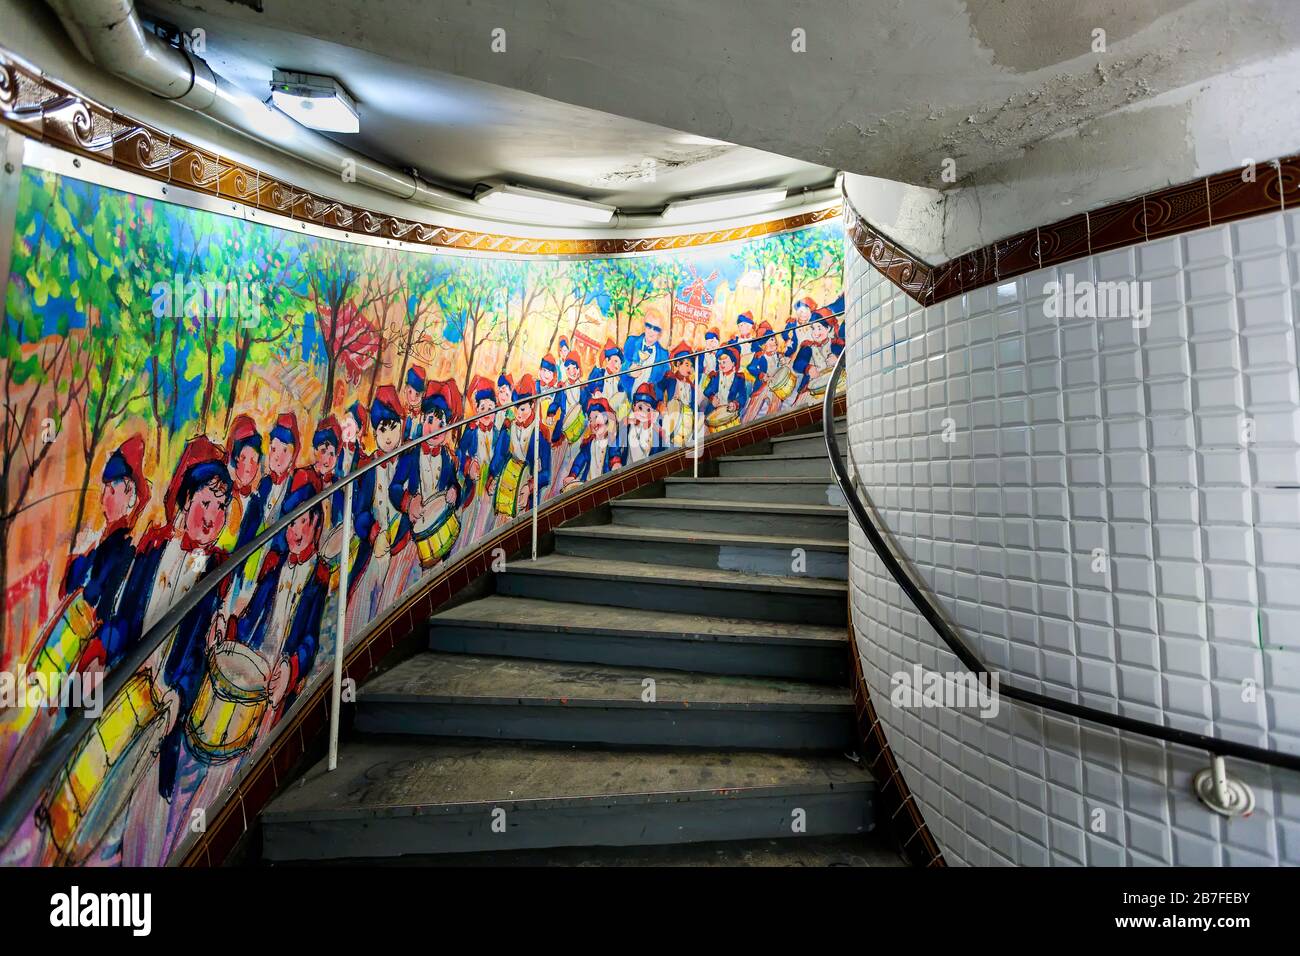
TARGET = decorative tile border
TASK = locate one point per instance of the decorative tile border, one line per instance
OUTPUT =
(43, 109)
(894, 800)
(231, 820)
(1208, 201)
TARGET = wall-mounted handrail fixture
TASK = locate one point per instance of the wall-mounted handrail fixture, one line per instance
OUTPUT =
(1221, 793)
(64, 741)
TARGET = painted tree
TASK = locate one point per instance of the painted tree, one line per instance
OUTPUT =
(419, 281)
(630, 285)
(524, 286)
(269, 269)
(810, 255)
(561, 296)
(108, 354)
(470, 304)
(37, 369)
(348, 339)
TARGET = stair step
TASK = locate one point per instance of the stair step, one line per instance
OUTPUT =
(596, 634)
(698, 514)
(775, 466)
(456, 695)
(792, 490)
(631, 584)
(413, 795)
(751, 553)
(811, 444)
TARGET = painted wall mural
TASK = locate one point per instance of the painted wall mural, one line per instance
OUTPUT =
(175, 380)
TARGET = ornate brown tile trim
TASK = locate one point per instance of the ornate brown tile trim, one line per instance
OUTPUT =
(1208, 201)
(46, 110)
(259, 784)
(895, 805)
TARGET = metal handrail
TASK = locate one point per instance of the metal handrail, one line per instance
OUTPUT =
(59, 746)
(1215, 746)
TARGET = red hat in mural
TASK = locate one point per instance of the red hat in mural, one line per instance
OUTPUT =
(612, 349)
(328, 432)
(764, 329)
(548, 362)
(598, 403)
(745, 318)
(808, 303)
(731, 352)
(386, 406)
(443, 396)
(525, 388)
(243, 434)
(127, 462)
(481, 390)
(415, 377)
(286, 429)
(646, 393)
(201, 462)
(711, 334)
(680, 349)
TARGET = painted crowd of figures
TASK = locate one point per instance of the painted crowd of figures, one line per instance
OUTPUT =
(260, 631)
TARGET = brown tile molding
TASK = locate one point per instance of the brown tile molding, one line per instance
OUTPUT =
(894, 801)
(1208, 201)
(45, 110)
(231, 820)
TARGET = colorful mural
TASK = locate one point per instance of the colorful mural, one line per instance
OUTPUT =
(175, 380)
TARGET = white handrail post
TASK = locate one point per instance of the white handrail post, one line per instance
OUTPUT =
(695, 416)
(340, 635)
(537, 445)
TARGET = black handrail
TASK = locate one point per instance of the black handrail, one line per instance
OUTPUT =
(1216, 746)
(62, 744)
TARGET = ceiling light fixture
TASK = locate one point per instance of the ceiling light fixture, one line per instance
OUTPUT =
(723, 205)
(535, 202)
(319, 102)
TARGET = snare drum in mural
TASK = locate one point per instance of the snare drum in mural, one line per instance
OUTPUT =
(84, 802)
(231, 704)
(720, 419)
(435, 536)
(63, 640)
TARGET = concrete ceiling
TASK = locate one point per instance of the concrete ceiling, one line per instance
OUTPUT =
(462, 131)
(889, 88)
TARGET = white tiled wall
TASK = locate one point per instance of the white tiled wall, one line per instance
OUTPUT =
(1067, 436)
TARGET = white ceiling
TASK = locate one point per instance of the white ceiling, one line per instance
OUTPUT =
(462, 131)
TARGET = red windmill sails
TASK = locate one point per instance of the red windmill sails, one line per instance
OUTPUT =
(694, 301)
(351, 341)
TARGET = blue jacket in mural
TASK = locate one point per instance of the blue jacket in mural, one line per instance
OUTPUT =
(614, 457)
(632, 357)
(303, 641)
(738, 393)
(501, 455)
(101, 571)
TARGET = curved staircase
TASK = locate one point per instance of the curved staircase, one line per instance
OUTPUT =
(669, 685)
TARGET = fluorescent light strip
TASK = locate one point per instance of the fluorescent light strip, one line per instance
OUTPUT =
(722, 206)
(317, 102)
(535, 202)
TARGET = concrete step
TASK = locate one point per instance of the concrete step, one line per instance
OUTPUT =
(791, 490)
(739, 517)
(860, 850)
(412, 795)
(775, 466)
(751, 553)
(631, 584)
(595, 634)
(458, 695)
(814, 444)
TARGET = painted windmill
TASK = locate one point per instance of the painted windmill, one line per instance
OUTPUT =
(694, 302)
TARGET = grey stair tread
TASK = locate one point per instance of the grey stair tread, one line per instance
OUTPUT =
(712, 504)
(517, 613)
(859, 850)
(636, 571)
(680, 536)
(756, 479)
(402, 776)
(750, 459)
(433, 677)
(804, 436)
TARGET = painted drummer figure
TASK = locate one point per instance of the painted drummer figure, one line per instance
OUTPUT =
(644, 350)
(677, 398)
(325, 444)
(709, 361)
(611, 388)
(244, 516)
(553, 406)
(512, 458)
(765, 364)
(725, 388)
(816, 357)
(643, 436)
(599, 453)
(411, 394)
(381, 524)
(743, 339)
(281, 458)
(431, 481)
(565, 442)
(505, 393)
(474, 457)
(99, 568)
